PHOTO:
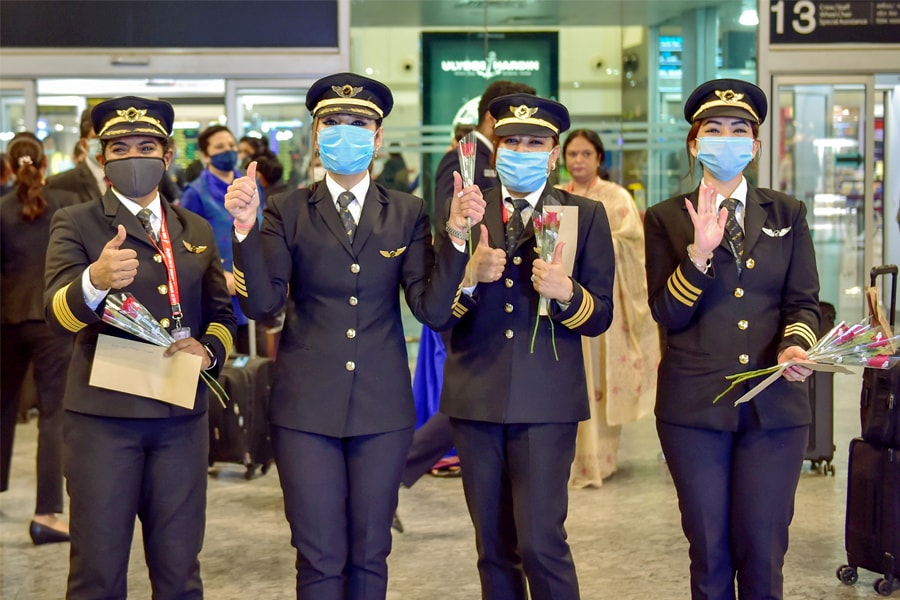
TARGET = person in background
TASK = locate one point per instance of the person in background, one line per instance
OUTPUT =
(270, 172)
(7, 179)
(250, 148)
(732, 278)
(128, 455)
(434, 439)
(341, 406)
(620, 364)
(514, 383)
(25, 215)
(87, 178)
(395, 175)
(206, 197)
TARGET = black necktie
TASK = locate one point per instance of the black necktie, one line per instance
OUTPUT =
(733, 231)
(344, 200)
(144, 217)
(514, 225)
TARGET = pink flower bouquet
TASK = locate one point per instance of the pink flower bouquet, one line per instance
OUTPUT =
(546, 234)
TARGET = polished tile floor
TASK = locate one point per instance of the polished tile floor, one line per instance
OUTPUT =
(625, 536)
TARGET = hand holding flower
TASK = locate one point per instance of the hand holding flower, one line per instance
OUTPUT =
(466, 205)
(709, 224)
(794, 372)
(550, 279)
(486, 264)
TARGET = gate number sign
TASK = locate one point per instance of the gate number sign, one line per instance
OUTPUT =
(824, 21)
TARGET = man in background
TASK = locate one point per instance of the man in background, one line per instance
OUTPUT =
(87, 178)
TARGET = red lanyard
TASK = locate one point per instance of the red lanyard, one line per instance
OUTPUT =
(165, 249)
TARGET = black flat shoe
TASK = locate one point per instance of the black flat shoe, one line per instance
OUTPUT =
(397, 524)
(41, 534)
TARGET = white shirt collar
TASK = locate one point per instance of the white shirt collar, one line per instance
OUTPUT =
(359, 190)
(98, 173)
(134, 208)
(532, 197)
(740, 193)
(484, 140)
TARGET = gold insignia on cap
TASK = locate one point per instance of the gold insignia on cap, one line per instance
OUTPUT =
(348, 91)
(729, 96)
(523, 112)
(132, 114)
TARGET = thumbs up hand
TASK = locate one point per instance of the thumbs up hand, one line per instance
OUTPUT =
(486, 264)
(116, 267)
(550, 279)
(242, 199)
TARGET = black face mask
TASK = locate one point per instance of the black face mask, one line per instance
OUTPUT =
(135, 177)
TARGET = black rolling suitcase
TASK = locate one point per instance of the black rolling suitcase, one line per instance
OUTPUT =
(872, 535)
(820, 449)
(239, 432)
(879, 413)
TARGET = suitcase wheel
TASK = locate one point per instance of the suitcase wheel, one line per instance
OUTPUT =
(847, 574)
(885, 587)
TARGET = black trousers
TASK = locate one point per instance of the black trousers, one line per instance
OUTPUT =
(152, 469)
(736, 495)
(515, 479)
(340, 495)
(21, 344)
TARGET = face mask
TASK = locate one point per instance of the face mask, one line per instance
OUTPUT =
(318, 173)
(725, 157)
(135, 177)
(346, 149)
(224, 161)
(94, 147)
(522, 172)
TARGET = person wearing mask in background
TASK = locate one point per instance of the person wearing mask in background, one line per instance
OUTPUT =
(206, 197)
(341, 407)
(87, 178)
(620, 364)
(433, 439)
(395, 175)
(732, 278)
(514, 391)
(25, 215)
(127, 455)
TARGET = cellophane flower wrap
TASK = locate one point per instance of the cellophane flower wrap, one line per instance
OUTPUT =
(466, 150)
(546, 234)
(858, 345)
(124, 311)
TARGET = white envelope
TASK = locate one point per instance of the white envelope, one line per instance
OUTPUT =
(141, 369)
(825, 368)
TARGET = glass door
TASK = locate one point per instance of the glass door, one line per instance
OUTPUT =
(825, 154)
(275, 110)
(17, 109)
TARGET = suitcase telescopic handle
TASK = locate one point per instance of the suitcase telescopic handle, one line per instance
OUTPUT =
(892, 271)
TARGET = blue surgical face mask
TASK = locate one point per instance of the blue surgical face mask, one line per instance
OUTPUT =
(346, 149)
(725, 157)
(224, 161)
(522, 172)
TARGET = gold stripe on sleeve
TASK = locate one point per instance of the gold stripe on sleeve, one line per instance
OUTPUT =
(583, 313)
(63, 313)
(221, 333)
(802, 330)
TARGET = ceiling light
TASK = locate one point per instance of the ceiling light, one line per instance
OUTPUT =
(749, 18)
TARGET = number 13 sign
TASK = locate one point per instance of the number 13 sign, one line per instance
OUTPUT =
(824, 22)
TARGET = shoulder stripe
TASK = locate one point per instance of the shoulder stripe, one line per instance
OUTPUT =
(63, 313)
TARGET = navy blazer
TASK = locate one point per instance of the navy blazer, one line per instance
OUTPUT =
(723, 323)
(342, 367)
(79, 180)
(78, 235)
(490, 374)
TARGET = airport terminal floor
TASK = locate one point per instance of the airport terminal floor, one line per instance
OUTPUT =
(625, 536)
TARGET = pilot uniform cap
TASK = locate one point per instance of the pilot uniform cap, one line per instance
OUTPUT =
(130, 115)
(727, 98)
(526, 114)
(348, 93)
